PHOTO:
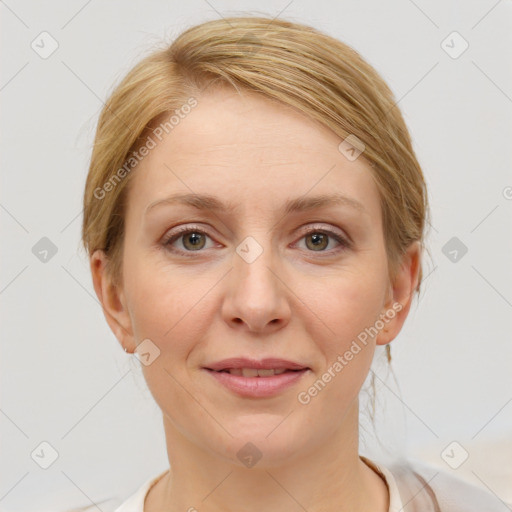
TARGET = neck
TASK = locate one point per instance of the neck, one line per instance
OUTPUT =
(331, 477)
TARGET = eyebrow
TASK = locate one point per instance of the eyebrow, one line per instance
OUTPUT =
(299, 204)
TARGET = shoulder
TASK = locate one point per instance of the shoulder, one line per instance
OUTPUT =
(427, 488)
(133, 503)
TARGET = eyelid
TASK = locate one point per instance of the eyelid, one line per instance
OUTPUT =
(319, 226)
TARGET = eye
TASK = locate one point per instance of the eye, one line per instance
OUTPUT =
(317, 240)
(193, 239)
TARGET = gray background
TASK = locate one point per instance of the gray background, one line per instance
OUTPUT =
(64, 378)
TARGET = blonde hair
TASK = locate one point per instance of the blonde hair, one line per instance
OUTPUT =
(284, 61)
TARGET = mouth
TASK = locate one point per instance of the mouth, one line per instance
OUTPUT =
(249, 382)
(255, 372)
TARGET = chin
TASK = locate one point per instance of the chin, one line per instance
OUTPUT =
(262, 441)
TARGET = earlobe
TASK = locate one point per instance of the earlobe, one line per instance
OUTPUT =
(112, 301)
(401, 295)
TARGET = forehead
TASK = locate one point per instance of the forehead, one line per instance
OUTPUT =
(248, 149)
(227, 124)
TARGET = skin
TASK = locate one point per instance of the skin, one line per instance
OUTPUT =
(295, 301)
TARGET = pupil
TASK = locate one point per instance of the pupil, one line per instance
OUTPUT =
(194, 238)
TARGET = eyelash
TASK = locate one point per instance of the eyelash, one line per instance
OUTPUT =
(168, 240)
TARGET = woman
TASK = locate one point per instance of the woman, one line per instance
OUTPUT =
(254, 215)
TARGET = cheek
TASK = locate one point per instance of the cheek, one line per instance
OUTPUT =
(161, 300)
(349, 307)
(169, 308)
(351, 302)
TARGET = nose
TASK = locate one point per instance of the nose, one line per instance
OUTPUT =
(256, 297)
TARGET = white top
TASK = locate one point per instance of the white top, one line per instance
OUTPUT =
(135, 503)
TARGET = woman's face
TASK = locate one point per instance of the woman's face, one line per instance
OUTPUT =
(254, 280)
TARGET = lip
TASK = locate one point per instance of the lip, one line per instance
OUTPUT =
(263, 364)
(257, 387)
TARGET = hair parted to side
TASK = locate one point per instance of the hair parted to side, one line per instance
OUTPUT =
(284, 61)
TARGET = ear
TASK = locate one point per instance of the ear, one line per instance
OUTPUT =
(400, 295)
(112, 301)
